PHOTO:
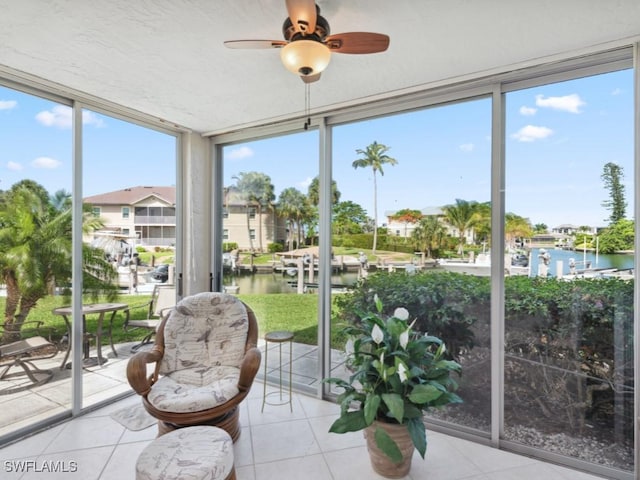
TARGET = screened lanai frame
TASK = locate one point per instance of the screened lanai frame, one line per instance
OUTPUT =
(78, 103)
(496, 88)
(205, 155)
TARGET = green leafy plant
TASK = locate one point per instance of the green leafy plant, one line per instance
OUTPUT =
(398, 374)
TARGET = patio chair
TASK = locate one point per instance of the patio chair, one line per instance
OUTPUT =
(22, 353)
(205, 359)
(163, 298)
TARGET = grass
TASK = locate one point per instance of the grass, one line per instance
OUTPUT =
(297, 313)
(285, 311)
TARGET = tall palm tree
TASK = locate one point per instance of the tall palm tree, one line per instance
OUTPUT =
(313, 193)
(35, 241)
(374, 156)
(258, 191)
(462, 216)
(294, 206)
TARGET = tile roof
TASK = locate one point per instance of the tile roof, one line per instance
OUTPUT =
(133, 195)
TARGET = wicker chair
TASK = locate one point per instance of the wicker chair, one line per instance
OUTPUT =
(205, 359)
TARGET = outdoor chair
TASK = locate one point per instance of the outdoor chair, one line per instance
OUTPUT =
(163, 298)
(22, 353)
(205, 359)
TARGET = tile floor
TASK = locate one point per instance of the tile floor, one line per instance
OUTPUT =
(276, 444)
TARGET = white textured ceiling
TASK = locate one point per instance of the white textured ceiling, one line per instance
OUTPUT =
(166, 58)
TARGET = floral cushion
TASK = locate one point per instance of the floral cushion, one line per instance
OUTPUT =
(191, 452)
(186, 391)
(204, 344)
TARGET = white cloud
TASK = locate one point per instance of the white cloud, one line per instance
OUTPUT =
(306, 182)
(7, 104)
(467, 147)
(239, 153)
(531, 133)
(60, 116)
(527, 111)
(616, 91)
(14, 166)
(568, 103)
(46, 162)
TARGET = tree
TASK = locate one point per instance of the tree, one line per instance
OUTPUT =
(540, 228)
(294, 206)
(349, 218)
(374, 156)
(35, 241)
(407, 216)
(257, 191)
(612, 177)
(516, 227)
(617, 237)
(429, 234)
(313, 192)
(461, 216)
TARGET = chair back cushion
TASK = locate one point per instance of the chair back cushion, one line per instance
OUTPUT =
(204, 332)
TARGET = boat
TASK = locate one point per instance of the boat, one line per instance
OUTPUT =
(514, 264)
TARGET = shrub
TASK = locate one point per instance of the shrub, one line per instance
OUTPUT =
(440, 302)
(275, 247)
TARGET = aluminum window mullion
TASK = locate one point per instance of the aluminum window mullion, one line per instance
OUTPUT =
(325, 267)
(76, 264)
(636, 292)
(497, 264)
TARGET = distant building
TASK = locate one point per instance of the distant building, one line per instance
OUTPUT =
(146, 216)
(243, 223)
(402, 229)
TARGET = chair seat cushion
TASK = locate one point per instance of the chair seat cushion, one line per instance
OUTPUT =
(195, 389)
(188, 453)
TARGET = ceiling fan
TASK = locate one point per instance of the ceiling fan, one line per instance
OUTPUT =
(307, 45)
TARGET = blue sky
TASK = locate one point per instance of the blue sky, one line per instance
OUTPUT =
(558, 137)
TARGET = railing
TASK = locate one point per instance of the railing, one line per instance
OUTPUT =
(158, 242)
(154, 220)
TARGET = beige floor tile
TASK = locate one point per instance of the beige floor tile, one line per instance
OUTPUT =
(312, 467)
(122, 464)
(283, 440)
(84, 433)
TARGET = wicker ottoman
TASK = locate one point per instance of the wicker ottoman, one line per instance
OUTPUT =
(191, 452)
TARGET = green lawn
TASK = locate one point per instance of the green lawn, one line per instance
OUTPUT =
(297, 313)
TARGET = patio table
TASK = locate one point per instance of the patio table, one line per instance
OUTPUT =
(93, 308)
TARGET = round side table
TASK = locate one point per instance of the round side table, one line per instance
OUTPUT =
(278, 337)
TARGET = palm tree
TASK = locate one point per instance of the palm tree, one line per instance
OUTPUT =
(375, 156)
(516, 227)
(257, 191)
(429, 234)
(293, 205)
(462, 216)
(313, 194)
(35, 238)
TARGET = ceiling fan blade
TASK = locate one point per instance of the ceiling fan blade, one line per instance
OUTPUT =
(302, 14)
(357, 42)
(255, 43)
(310, 78)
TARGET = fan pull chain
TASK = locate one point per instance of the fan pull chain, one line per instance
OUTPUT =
(307, 105)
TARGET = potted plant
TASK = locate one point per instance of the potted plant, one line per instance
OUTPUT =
(397, 375)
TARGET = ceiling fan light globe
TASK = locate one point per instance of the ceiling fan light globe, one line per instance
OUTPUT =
(305, 57)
